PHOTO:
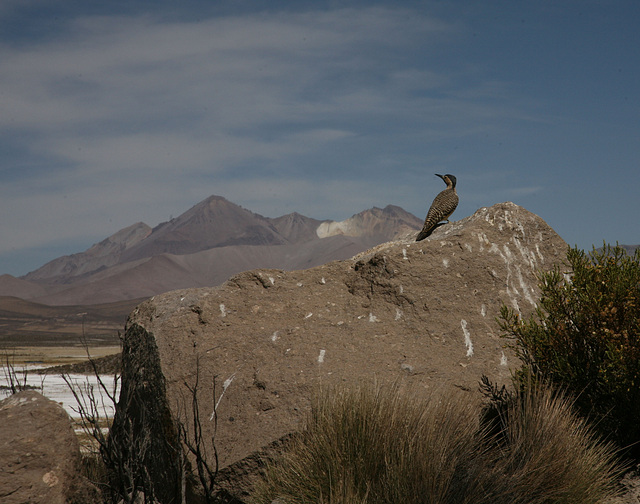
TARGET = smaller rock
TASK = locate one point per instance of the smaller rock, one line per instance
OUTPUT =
(39, 453)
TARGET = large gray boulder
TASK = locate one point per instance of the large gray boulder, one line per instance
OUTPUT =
(268, 338)
(39, 453)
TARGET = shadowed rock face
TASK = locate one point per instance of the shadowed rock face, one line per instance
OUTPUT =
(425, 312)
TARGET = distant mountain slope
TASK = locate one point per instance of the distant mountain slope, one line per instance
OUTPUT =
(19, 287)
(25, 323)
(158, 274)
(297, 228)
(631, 249)
(203, 247)
(102, 255)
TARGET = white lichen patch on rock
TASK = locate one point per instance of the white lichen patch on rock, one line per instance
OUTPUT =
(467, 338)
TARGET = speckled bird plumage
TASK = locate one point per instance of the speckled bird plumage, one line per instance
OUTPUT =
(442, 207)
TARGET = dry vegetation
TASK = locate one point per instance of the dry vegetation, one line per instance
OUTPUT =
(387, 444)
(585, 338)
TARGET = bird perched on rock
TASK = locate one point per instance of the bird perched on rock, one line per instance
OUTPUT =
(441, 208)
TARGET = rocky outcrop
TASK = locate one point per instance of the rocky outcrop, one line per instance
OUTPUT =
(261, 343)
(39, 453)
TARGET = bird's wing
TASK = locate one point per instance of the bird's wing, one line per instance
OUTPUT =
(442, 207)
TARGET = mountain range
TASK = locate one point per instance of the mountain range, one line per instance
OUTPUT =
(204, 246)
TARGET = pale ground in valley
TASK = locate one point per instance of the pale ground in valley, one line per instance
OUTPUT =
(54, 356)
(25, 363)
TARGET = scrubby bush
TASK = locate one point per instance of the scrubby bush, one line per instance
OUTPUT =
(385, 444)
(585, 338)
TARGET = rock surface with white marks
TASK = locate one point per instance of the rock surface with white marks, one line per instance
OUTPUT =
(423, 311)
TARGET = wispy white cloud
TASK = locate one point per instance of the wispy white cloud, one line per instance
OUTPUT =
(237, 70)
(127, 118)
(206, 85)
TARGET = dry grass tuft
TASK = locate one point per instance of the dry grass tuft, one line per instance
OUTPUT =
(388, 444)
(546, 453)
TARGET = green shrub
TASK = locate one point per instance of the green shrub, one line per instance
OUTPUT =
(374, 444)
(585, 338)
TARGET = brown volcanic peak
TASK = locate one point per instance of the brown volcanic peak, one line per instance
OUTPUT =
(214, 222)
(296, 228)
(204, 246)
(392, 221)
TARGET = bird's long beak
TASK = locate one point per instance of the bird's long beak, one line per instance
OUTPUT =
(441, 176)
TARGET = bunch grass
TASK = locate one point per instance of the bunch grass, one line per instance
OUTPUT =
(391, 444)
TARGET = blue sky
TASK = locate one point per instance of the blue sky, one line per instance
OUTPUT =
(117, 112)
